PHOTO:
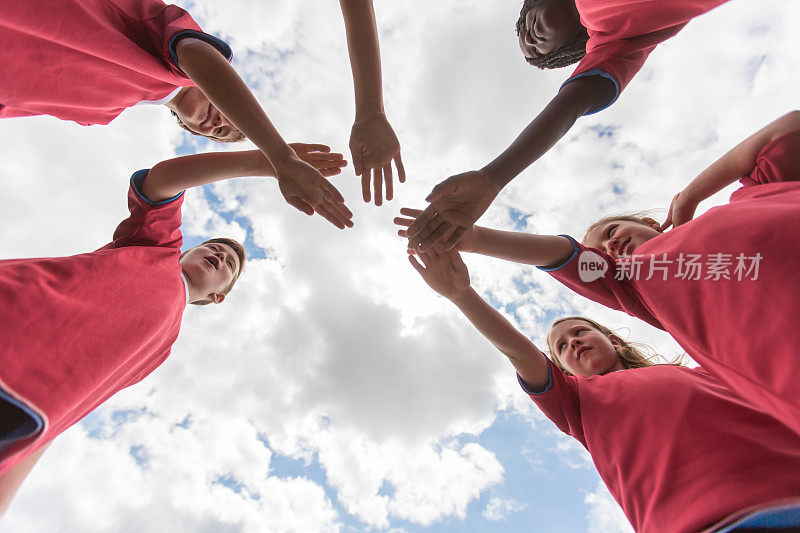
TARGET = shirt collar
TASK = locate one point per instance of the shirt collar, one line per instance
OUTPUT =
(185, 286)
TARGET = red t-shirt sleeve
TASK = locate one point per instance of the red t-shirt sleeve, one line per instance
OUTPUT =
(150, 223)
(609, 289)
(619, 61)
(165, 25)
(777, 161)
(559, 401)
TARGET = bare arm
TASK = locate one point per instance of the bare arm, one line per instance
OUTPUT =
(446, 273)
(309, 191)
(169, 178)
(555, 120)
(460, 200)
(528, 360)
(735, 164)
(219, 81)
(373, 143)
(537, 250)
(12, 480)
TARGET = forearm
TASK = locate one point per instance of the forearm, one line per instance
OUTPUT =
(740, 160)
(536, 250)
(528, 360)
(555, 120)
(170, 177)
(218, 80)
(12, 480)
(365, 56)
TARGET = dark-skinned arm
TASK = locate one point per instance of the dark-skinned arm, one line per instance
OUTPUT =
(460, 200)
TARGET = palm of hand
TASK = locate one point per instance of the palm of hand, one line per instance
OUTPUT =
(375, 141)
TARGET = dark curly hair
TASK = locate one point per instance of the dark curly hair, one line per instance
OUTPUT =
(564, 56)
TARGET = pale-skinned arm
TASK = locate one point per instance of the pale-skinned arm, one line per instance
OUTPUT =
(735, 164)
(446, 273)
(373, 143)
(218, 80)
(460, 200)
(13, 478)
(168, 178)
(536, 250)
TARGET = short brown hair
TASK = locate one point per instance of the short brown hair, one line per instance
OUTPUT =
(238, 138)
(632, 354)
(241, 252)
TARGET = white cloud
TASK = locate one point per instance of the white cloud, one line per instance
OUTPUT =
(498, 509)
(605, 515)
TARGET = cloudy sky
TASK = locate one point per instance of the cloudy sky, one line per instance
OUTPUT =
(333, 391)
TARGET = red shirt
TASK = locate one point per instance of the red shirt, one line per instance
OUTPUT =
(678, 451)
(89, 60)
(745, 332)
(78, 329)
(622, 33)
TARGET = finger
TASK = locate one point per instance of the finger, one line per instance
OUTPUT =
(426, 258)
(452, 240)
(410, 211)
(344, 214)
(402, 233)
(330, 217)
(401, 171)
(435, 194)
(297, 203)
(422, 240)
(328, 172)
(457, 218)
(421, 220)
(419, 268)
(387, 181)
(403, 221)
(365, 190)
(435, 236)
(315, 147)
(377, 184)
(332, 191)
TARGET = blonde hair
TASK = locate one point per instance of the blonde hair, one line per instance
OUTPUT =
(638, 217)
(632, 354)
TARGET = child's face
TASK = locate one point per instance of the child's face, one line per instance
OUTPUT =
(198, 115)
(619, 238)
(583, 350)
(549, 25)
(210, 269)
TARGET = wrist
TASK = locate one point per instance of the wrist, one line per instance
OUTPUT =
(462, 296)
(282, 163)
(365, 113)
(496, 176)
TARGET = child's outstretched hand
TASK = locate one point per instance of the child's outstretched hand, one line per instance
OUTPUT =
(443, 270)
(465, 244)
(306, 189)
(681, 210)
(320, 157)
(374, 146)
(456, 203)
